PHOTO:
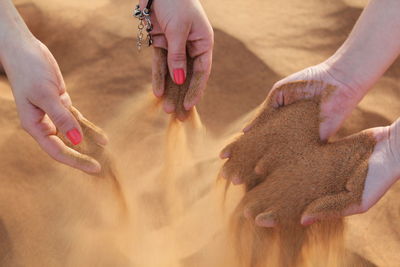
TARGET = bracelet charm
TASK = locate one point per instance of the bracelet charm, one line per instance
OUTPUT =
(144, 23)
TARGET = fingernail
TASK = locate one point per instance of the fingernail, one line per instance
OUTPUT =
(224, 155)
(236, 180)
(95, 168)
(168, 107)
(246, 129)
(188, 106)
(158, 92)
(259, 170)
(179, 76)
(265, 220)
(74, 136)
(247, 213)
(308, 220)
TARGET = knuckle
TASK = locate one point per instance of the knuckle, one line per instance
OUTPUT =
(61, 120)
(208, 44)
(209, 40)
(178, 56)
(41, 93)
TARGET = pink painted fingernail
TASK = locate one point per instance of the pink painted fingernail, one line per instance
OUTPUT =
(74, 136)
(179, 76)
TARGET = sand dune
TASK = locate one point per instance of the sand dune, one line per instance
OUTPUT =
(168, 211)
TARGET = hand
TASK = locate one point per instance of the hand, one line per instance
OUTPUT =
(43, 104)
(383, 168)
(183, 29)
(316, 80)
(265, 205)
(373, 157)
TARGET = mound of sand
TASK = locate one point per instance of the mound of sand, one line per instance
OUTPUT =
(162, 207)
(288, 172)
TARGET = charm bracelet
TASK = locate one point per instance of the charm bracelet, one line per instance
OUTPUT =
(144, 23)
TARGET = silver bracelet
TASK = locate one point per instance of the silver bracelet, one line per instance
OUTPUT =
(144, 23)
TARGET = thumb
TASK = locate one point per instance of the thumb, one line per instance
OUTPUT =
(177, 54)
(63, 119)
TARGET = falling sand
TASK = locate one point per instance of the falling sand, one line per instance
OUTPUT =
(157, 201)
(173, 94)
(296, 174)
(288, 172)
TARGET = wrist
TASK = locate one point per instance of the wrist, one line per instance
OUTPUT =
(348, 73)
(13, 30)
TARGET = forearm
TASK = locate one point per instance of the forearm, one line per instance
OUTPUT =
(372, 46)
(12, 27)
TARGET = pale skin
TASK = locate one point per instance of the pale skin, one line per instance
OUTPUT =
(42, 100)
(43, 104)
(370, 49)
(182, 28)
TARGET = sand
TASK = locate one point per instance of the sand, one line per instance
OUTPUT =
(172, 93)
(288, 172)
(168, 211)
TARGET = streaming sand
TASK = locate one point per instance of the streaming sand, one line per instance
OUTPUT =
(162, 206)
(173, 94)
(288, 172)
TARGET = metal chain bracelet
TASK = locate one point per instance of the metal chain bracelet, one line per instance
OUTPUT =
(144, 23)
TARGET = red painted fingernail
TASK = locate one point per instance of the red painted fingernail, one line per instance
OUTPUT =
(74, 136)
(179, 76)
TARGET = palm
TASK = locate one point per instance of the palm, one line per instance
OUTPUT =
(312, 82)
(260, 159)
(44, 106)
(383, 168)
(181, 28)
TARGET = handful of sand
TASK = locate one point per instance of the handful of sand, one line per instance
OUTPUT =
(288, 170)
(92, 147)
(289, 173)
(173, 94)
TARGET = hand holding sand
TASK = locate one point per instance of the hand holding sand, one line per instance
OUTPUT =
(313, 82)
(182, 28)
(353, 69)
(87, 156)
(291, 176)
(337, 84)
(45, 107)
(174, 94)
(43, 104)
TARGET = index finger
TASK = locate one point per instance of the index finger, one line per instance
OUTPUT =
(56, 148)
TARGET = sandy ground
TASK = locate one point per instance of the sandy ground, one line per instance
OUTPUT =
(168, 212)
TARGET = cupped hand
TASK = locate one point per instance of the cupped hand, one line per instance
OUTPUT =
(182, 28)
(316, 80)
(43, 104)
(289, 173)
